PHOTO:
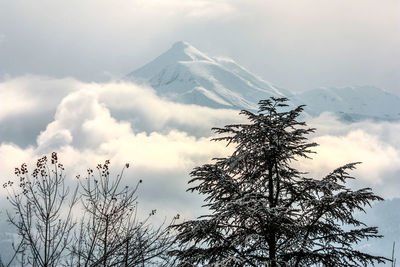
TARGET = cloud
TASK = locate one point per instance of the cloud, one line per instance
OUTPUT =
(28, 105)
(86, 129)
(31, 102)
(11, 156)
(163, 141)
(377, 157)
(81, 121)
(31, 94)
(15, 105)
(84, 123)
(154, 114)
(205, 9)
(375, 144)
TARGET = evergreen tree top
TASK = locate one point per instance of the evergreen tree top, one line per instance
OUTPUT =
(263, 211)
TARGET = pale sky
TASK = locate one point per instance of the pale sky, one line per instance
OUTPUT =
(59, 62)
(296, 44)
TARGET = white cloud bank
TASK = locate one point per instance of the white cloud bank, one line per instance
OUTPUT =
(86, 128)
(32, 94)
(375, 144)
(163, 141)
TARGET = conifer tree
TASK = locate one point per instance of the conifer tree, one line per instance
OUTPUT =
(263, 211)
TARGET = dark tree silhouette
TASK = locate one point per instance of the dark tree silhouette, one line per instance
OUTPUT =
(264, 212)
(110, 233)
(41, 213)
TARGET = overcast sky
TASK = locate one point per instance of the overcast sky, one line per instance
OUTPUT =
(60, 62)
(298, 44)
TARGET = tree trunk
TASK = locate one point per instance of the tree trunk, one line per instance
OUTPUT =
(105, 244)
(272, 232)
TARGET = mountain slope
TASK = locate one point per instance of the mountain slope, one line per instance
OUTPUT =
(352, 103)
(184, 74)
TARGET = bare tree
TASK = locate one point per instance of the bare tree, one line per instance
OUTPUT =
(42, 214)
(110, 232)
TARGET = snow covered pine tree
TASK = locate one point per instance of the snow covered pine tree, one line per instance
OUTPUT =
(263, 212)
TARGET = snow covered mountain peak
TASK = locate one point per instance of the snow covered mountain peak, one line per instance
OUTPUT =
(186, 52)
(185, 74)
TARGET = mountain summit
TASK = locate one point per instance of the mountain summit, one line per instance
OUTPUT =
(186, 75)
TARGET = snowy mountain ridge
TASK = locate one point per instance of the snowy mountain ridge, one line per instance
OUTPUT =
(352, 103)
(184, 74)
